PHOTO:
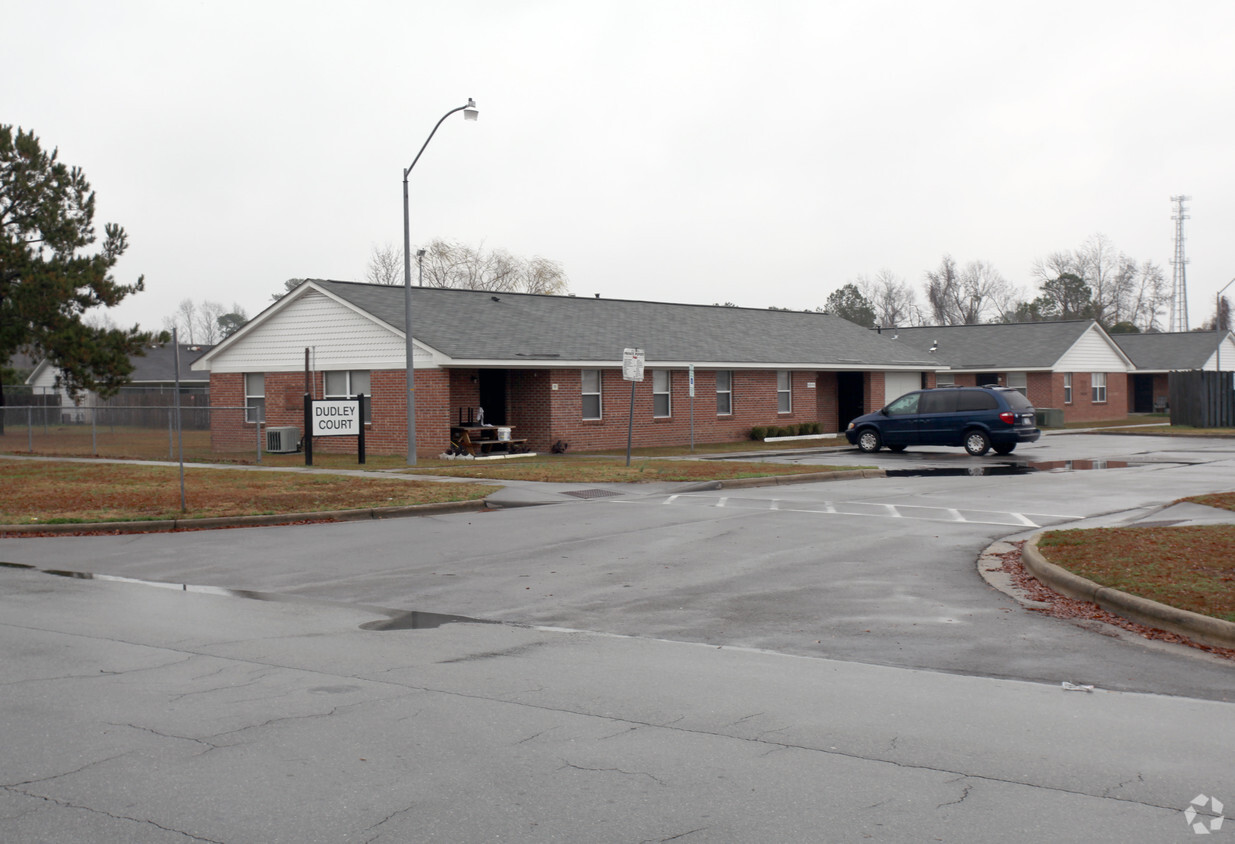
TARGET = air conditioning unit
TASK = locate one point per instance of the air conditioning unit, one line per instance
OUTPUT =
(282, 440)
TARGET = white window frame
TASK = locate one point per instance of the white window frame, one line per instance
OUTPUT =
(1097, 383)
(784, 392)
(945, 379)
(585, 393)
(254, 401)
(1067, 388)
(662, 393)
(355, 381)
(1019, 381)
(726, 394)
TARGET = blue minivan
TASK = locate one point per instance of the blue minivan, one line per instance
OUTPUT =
(978, 418)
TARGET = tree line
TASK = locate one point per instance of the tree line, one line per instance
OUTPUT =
(1094, 281)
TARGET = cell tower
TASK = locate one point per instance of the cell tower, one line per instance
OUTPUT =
(1179, 273)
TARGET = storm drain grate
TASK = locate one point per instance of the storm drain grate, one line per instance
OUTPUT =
(592, 493)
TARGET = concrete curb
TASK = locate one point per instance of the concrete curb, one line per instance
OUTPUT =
(170, 525)
(1202, 628)
(783, 480)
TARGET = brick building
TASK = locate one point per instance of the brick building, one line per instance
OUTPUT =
(548, 366)
(1071, 365)
(1158, 355)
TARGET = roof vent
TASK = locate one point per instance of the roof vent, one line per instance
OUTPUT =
(495, 299)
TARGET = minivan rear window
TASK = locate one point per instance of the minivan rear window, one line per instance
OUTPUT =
(1017, 401)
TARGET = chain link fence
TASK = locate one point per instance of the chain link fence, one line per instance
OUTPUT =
(135, 425)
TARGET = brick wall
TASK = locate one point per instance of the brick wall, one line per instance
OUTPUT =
(386, 434)
(543, 406)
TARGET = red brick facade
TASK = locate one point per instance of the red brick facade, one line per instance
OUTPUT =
(544, 406)
(1046, 389)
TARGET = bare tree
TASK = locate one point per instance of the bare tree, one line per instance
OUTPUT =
(967, 296)
(892, 298)
(184, 321)
(204, 322)
(385, 265)
(1122, 290)
(457, 265)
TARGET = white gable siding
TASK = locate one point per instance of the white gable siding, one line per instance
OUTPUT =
(1092, 353)
(338, 337)
(1227, 354)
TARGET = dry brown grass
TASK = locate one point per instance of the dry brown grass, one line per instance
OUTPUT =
(559, 468)
(45, 492)
(1189, 567)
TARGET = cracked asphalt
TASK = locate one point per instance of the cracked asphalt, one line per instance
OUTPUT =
(817, 662)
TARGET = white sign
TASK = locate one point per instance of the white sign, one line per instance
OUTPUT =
(336, 418)
(632, 364)
(692, 380)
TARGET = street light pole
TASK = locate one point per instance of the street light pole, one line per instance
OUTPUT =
(469, 113)
(1217, 322)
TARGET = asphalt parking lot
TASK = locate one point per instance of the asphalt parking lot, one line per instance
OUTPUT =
(654, 664)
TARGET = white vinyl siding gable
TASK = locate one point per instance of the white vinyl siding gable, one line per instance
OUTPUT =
(1092, 352)
(339, 338)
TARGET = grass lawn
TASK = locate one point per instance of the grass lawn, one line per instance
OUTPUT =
(48, 493)
(561, 468)
(1189, 567)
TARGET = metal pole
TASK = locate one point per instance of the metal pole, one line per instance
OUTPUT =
(30, 428)
(410, 376)
(408, 347)
(179, 430)
(630, 424)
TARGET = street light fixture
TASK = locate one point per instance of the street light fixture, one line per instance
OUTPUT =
(470, 112)
(1218, 320)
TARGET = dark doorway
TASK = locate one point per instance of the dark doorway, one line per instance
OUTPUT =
(987, 379)
(493, 395)
(850, 397)
(1142, 393)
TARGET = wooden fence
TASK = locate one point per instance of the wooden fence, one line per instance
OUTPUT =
(1203, 399)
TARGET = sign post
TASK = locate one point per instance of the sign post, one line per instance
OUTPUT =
(632, 371)
(334, 418)
(691, 372)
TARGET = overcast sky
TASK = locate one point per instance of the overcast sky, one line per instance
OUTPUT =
(759, 152)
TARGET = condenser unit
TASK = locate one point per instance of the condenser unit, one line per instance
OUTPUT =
(282, 440)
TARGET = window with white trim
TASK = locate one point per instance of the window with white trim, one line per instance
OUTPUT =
(345, 384)
(662, 405)
(1067, 388)
(1099, 387)
(784, 391)
(724, 392)
(590, 379)
(255, 397)
(1019, 381)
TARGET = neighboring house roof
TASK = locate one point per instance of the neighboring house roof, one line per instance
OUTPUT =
(156, 366)
(1010, 346)
(470, 327)
(1178, 350)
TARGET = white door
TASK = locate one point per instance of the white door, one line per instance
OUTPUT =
(896, 384)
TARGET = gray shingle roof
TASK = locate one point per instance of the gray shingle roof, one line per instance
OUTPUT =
(1025, 345)
(158, 365)
(476, 325)
(1171, 351)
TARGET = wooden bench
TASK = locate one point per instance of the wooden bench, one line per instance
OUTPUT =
(478, 440)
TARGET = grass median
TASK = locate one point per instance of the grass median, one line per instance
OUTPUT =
(1190, 567)
(46, 492)
(560, 468)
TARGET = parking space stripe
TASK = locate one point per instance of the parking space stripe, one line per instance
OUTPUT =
(858, 508)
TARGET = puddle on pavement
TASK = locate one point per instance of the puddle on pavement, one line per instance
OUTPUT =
(1020, 467)
(397, 620)
(421, 621)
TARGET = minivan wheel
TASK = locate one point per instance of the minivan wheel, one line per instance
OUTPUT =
(869, 440)
(977, 443)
